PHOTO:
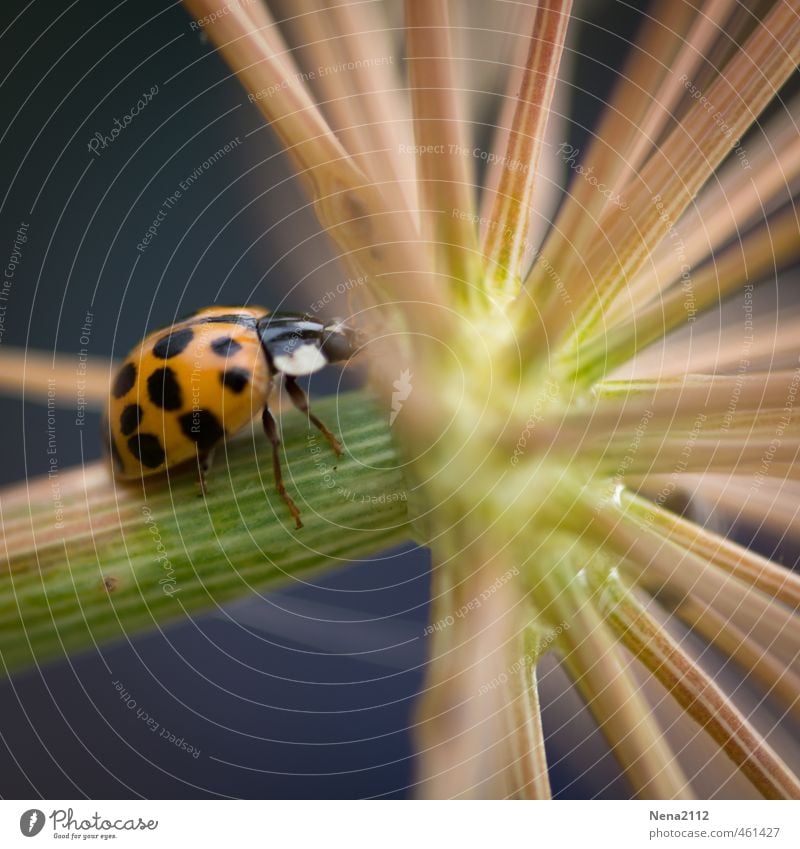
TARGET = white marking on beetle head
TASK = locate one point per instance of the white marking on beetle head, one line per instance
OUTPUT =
(335, 326)
(305, 359)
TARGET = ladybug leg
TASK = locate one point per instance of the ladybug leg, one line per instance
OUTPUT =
(300, 401)
(271, 430)
(204, 461)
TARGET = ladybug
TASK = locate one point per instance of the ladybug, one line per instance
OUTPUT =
(184, 389)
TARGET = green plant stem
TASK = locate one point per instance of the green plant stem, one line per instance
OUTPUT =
(84, 561)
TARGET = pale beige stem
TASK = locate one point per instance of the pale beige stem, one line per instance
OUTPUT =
(445, 164)
(755, 257)
(463, 741)
(701, 393)
(505, 246)
(770, 504)
(736, 198)
(653, 420)
(490, 45)
(576, 224)
(699, 695)
(505, 119)
(535, 779)
(353, 67)
(705, 29)
(375, 237)
(775, 677)
(656, 562)
(750, 568)
(601, 674)
(527, 773)
(723, 345)
(681, 165)
(67, 381)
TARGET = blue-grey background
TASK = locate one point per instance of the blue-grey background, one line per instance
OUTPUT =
(266, 691)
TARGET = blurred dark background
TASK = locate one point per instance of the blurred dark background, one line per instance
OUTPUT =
(303, 693)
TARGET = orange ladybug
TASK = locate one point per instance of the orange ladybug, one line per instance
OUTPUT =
(186, 388)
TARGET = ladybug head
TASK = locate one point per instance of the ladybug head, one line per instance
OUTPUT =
(297, 344)
(340, 341)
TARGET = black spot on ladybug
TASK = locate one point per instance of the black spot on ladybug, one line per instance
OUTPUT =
(147, 450)
(130, 418)
(225, 346)
(164, 389)
(124, 380)
(202, 427)
(236, 379)
(173, 343)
